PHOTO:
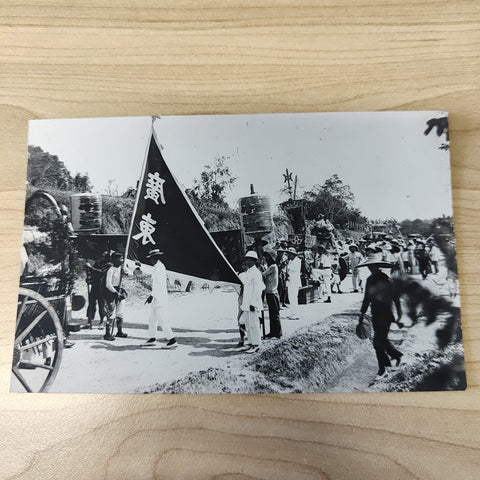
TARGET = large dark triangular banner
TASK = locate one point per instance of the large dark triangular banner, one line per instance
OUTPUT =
(165, 219)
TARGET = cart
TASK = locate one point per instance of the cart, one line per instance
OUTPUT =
(44, 302)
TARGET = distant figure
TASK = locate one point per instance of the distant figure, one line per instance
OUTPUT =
(355, 258)
(282, 261)
(336, 282)
(423, 259)
(379, 295)
(137, 273)
(434, 255)
(294, 281)
(322, 271)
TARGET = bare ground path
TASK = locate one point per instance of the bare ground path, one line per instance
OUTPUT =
(205, 326)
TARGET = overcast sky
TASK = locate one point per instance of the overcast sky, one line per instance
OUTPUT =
(393, 169)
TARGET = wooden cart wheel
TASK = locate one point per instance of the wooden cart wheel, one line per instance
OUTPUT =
(38, 346)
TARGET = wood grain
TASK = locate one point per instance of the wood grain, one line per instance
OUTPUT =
(111, 58)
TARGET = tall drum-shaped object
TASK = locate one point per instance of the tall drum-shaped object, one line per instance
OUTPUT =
(256, 215)
(86, 212)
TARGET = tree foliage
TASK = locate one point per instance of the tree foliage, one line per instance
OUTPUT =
(46, 170)
(208, 196)
(335, 200)
(214, 181)
(81, 183)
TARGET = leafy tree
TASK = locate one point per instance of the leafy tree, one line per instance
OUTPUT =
(46, 170)
(214, 182)
(81, 183)
(335, 200)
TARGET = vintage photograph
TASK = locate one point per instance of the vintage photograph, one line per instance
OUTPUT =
(266, 253)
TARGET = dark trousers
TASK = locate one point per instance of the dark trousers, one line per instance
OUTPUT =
(382, 345)
(282, 290)
(96, 296)
(273, 302)
(423, 267)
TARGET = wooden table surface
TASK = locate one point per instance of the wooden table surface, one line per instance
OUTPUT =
(97, 58)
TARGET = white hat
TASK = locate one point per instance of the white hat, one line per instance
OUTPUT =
(251, 254)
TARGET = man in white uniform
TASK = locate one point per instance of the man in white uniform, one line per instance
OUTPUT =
(159, 301)
(355, 258)
(252, 303)
(325, 269)
(294, 282)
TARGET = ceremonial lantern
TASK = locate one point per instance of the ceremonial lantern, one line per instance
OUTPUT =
(86, 212)
(256, 218)
(256, 215)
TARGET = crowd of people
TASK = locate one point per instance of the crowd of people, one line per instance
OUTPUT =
(272, 278)
(277, 274)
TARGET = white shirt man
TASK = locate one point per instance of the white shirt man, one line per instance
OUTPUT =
(252, 303)
(325, 273)
(355, 258)
(434, 257)
(159, 301)
(294, 281)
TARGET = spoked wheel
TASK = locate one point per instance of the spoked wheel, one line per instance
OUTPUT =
(38, 347)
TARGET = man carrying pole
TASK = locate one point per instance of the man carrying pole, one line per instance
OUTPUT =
(114, 298)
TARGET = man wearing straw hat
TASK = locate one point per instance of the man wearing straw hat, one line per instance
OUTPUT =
(252, 303)
(159, 300)
(379, 295)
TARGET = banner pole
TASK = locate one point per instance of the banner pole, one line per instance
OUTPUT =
(139, 188)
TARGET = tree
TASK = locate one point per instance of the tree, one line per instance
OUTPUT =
(46, 170)
(81, 183)
(335, 200)
(214, 182)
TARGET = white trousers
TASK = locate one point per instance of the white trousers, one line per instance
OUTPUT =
(293, 297)
(324, 276)
(252, 325)
(158, 315)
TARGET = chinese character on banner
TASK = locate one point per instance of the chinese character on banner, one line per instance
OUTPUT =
(155, 188)
(146, 229)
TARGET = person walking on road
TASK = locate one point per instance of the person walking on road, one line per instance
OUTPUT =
(159, 300)
(379, 295)
(423, 259)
